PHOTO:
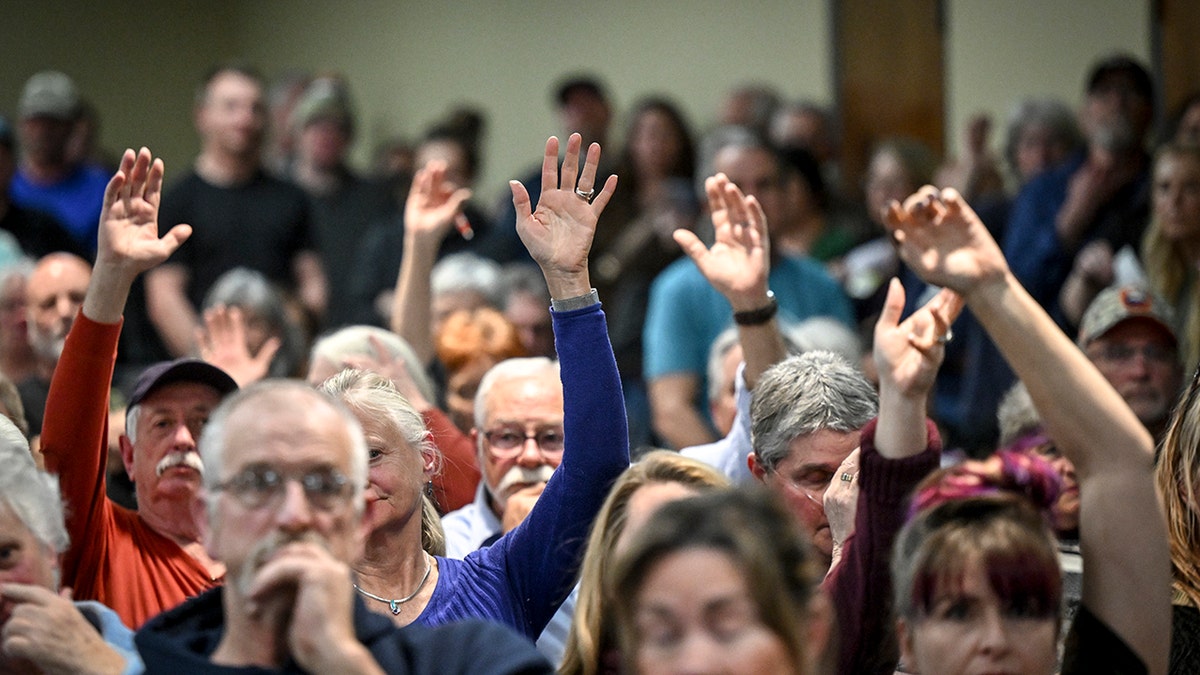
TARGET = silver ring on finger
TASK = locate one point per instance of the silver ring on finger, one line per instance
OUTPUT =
(585, 195)
(847, 477)
(943, 339)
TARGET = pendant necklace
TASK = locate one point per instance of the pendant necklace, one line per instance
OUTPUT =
(394, 605)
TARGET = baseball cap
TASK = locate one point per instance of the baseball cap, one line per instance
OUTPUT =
(180, 370)
(49, 94)
(579, 84)
(324, 98)
(1118, 65)
(1117, 304)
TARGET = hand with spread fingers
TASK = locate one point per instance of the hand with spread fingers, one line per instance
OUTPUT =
(738, 262)
(558, 233)
(128, 234)
(908, 353)
(938, 235)
(433, 203)
(223, 343)
(127, 242)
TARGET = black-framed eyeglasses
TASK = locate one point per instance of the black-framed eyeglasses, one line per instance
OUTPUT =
(258, 486)
(507, 442)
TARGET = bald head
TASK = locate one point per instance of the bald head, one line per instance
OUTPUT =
(54, 295)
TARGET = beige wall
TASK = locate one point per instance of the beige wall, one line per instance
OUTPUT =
(137, 60)
(998, 52)
(409, 61)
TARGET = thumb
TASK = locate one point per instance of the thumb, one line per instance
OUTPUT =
(175, 237)
(690, 243)
(520, 200)
(268, 350)
(893, 306)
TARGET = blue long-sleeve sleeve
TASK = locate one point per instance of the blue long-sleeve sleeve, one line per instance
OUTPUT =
(523, 577)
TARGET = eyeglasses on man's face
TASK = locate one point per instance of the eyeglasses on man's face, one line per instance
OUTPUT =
(507, 442)
(259, 485)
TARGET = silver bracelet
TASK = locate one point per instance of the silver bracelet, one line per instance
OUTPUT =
(577, 302)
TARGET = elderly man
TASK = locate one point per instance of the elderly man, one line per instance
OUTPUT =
(1129, 333)
(285, 484)
(138, 563)
(53, 296)
(519, 400)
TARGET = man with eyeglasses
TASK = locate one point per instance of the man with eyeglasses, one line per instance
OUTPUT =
(137, 562)
(286, 470)
(1129, 333)
(519, 433)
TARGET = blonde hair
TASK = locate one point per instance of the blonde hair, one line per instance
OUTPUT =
(592, 633)
(1169, 270)
(374, 396)
(1177, 475)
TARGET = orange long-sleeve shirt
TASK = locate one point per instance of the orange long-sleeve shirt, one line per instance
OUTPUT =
(114, 557)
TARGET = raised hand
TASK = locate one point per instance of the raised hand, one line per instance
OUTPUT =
(558, 234)
(433, 203)
(908, 353)
(222, 343)
(737, 265)
(128, 236)
(943, 241)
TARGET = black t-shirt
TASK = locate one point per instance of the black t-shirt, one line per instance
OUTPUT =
(261, 225)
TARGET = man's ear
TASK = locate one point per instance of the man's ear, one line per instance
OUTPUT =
(756, 467)
(126, 454)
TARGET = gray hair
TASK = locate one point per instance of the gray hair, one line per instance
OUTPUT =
(509, 369)
(805, 394)
(11, 399)
(523, 278)
(30, 493)
(816, 333)
(466, 272)
(356, 341)
(1050, 113)
(374, 396)
(215, 435)
(717, 140)
(131, 421)
(254, 294)
(1016, 414)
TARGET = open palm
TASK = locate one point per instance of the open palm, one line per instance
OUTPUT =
(128, 231)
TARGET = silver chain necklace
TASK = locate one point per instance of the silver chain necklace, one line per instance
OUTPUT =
(394, 605)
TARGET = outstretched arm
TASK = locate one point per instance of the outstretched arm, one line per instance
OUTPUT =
(1127, 581)
(559, 232)
(429, 212)
(75, 435)
(737, 265)
(558, 235)
(128, 242)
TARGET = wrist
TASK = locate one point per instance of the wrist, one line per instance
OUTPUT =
(567, 285)
(757, 316)
(575, 302)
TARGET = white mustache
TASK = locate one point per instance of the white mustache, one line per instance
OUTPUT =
(190, 459)
(519, 475)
